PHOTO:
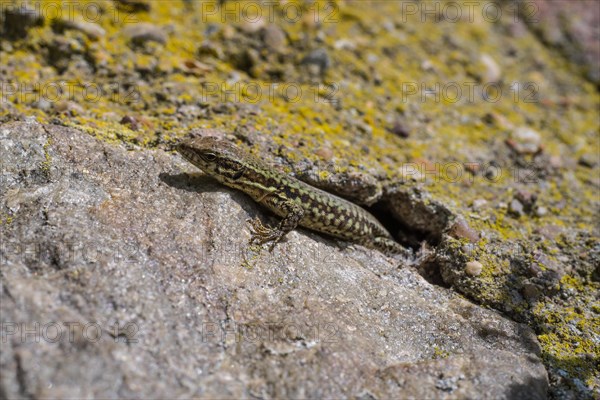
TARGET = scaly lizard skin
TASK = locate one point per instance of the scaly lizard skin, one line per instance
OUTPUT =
(295, 201)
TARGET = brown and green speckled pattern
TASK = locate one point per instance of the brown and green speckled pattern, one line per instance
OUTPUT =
(297, 202)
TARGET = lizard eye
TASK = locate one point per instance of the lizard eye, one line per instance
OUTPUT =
(209, 156)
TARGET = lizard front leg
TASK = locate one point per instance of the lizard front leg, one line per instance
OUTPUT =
(262, 234)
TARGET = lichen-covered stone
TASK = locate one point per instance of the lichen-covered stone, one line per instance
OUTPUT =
(139, 277)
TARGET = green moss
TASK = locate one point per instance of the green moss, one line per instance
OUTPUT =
(47, 163)
(439, 353)
(6, 219)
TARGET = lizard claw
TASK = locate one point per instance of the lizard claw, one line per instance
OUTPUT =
(262, 234)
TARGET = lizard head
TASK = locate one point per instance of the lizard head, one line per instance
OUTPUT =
(216, 157)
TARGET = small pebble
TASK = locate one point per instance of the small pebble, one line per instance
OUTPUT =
(254, 24)
(344, 44)
(588, 160)
(527, 199)
(427, 66)
(372, 58)
(68, 107)
(6, 46)
(209, 48)
(525, 140)
(195, 67)
(144, 32)
(400, 129)
(556, 162)
(473, 268)
(274, 37)
(319, 59)
(43, 104)
(548, 262)
(91, 30)
(534, 270)
(478, 204)
(325, 153)
(530, 291)
(468, 248)
(541, 211)
(131, 122)
(492, 72)
(462, 230)
(516, 207)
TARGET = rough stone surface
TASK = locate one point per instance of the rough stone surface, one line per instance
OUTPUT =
(144, 269)
(572, 27)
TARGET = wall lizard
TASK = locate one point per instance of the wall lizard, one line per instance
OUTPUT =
(297, 202)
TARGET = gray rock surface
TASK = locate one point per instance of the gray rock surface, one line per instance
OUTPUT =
(126, 274)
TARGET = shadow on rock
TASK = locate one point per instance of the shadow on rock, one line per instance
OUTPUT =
(533, 389)
(194, 182)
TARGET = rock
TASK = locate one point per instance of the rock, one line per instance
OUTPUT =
(135, 5)
(473, 268)
(43, 104)
(319, 60)
(527, 199)
(589, 160)
(252, 25)
(274, 37)
(6, 46)
(531, 292)
(68, 107)
(462, 230)
(344, 44)
(516, 208)
(478, 204)
(121, 250)
(91, 30)
(18, 20)
(143, 32)
(400, 129)
(492, 72)
(196, 67)
(324, 152)
(210, 48)
(427, 66)
(131, 122)
(419, 210)
(362, 188)
(525, 140)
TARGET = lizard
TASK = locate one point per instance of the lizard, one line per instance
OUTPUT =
(297, 202)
